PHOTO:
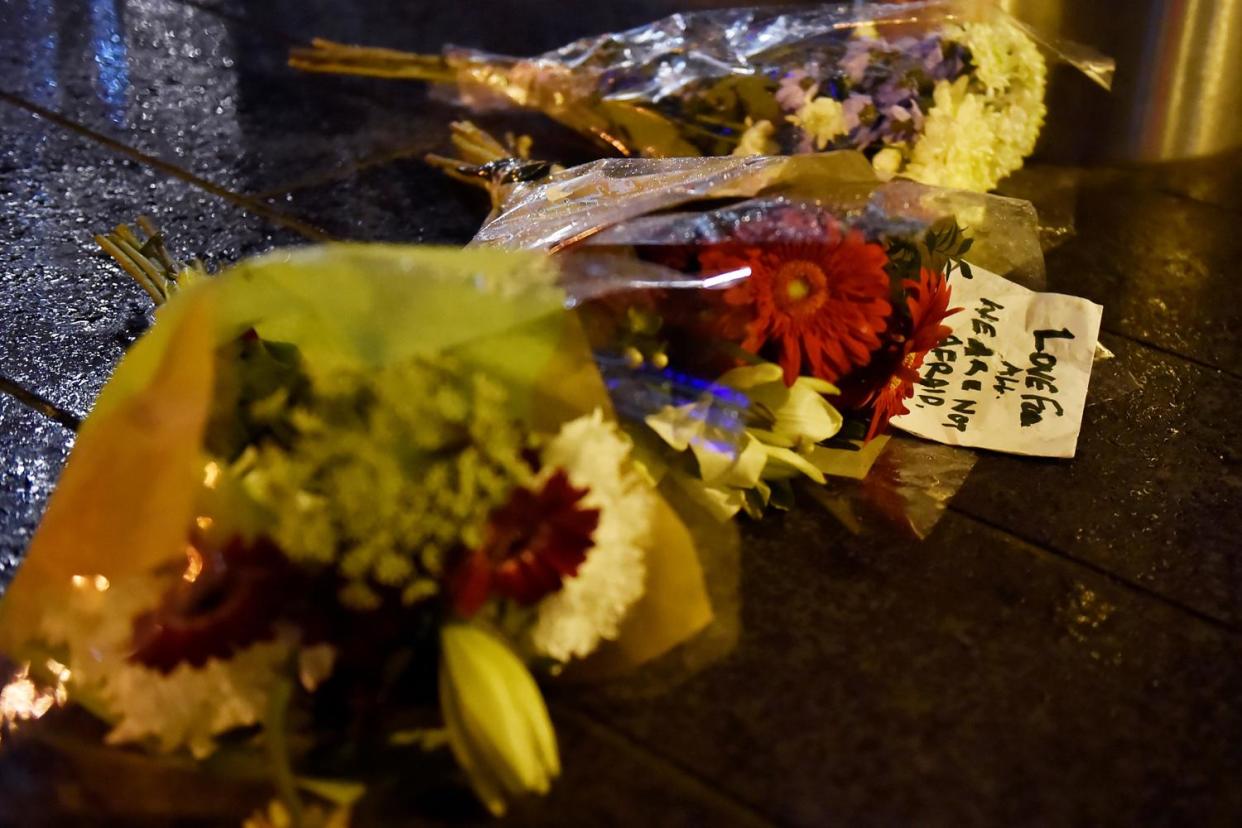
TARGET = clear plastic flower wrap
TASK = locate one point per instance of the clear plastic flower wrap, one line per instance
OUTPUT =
(761, 319)
(947, 92)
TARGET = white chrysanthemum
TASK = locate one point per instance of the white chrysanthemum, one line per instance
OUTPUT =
(1006, 61)
(186, 708)
(957, 148)
(821, 119)
(983, 125)
(591, 605)
(190, 706)
(757, 140)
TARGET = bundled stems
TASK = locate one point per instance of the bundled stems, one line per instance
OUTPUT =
(485, 162)
(147, 260)
(342, 59)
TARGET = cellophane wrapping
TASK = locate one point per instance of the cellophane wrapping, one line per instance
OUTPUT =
(946, 92)
(640, 243)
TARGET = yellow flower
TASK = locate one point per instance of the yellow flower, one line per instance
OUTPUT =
(796, 417)
(498, 725)
(887, 163)
(867, 31)
(790, 422)
(757, 140)
(821, 119)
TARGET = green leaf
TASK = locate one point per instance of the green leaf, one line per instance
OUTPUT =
(753, 504)
(782, 495)
(340, 792)
(276, 738)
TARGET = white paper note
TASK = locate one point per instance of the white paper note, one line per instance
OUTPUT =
(1013, 375)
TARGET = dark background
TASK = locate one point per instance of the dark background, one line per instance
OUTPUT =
(1063, 648)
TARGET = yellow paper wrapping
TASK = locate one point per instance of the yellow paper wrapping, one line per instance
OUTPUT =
(127, 493)
(125, 498)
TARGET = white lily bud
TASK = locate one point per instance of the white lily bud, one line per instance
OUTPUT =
(498, 725)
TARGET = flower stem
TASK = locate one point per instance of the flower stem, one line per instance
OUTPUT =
(147, 261)
(276, 733)
(483, 161)
(342, 59)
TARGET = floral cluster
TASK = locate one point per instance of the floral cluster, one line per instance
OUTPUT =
(357, 508)
(822, 329)
(946, 93)
(365, 540)
(961, 107)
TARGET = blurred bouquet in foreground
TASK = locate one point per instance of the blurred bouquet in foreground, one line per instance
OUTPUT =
(946, 92)
(332, 490)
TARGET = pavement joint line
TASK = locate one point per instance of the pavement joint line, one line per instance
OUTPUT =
(618, 738)
(304, 229)
(40, 404)
(1207, 618)
(1085, 178)
(282, 37)
(338, 174)
(1182, 196)
(1147, 343)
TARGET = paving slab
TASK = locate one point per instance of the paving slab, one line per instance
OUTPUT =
(966, 680)
(33, 449)
(205, 92)
(66, 312)
(1153, 493)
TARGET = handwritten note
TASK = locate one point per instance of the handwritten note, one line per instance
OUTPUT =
(1012, 376)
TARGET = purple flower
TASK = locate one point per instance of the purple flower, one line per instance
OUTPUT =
(864, 138)
(945, 66)
(908, 45)
(794, 91)
(853, 107)
(886, 79)
(892, 92)
(857, 58)
(916, 112)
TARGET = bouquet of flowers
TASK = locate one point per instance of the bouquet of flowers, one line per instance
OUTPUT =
(332, 490)
(946, 92)
(803, 287)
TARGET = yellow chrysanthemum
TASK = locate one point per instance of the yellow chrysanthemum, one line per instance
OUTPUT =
(757, 140)
(822, 119)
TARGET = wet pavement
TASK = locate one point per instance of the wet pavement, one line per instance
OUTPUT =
(1064, 648)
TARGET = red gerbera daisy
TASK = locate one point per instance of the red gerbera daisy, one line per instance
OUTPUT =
(533, 542)
(928, 301)
(825, 300)
(227, 599)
